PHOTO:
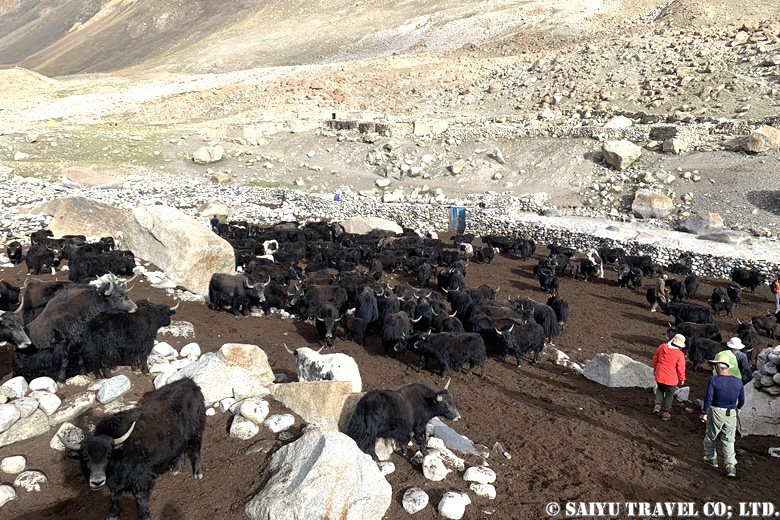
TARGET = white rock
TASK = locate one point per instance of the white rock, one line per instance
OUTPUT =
(279, 422)
(384, 448)
(621, 154)
(25, 405)
(114, 388)
(30, 480)
(449, 458)
(80, 380)
(618, 122)
(618, 370)
(383, 182)
(47, 401)
(362, 225)
(161, 368)
(415, 500)
(208, 154)
(9, 414)
(43, 383)
(243, 429)
(210, 412)
(190, 350)
(321, 472)
(386, 467)
(162, 379)
(7, 494)
(72, 435)
(23, 429)
(453, 505)
(217, 372)
(255, 409)
(17, 385)
(21, 156)
(13, 465)
(480, 475)
(433, 467)
(180, 245)
(165, 350)
(73, 408)
(484, 490)
(249, 388)
(178, 364)
(651, 204)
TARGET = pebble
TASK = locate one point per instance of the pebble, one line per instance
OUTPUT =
(7, 493)
(72, 435)
(480, 475)
(243, 429)
(280, 422)
(114, 388)
(43, 383)
(9, 414)
(255, 409)
(17, 385)
(414, 500)
(30, 480)
(190, 350)
(433, 467)
(13, 465)
(453, 505)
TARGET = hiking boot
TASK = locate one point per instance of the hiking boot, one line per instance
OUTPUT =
(665, 416)
(711, 461)
(731, 470)
(656, 409)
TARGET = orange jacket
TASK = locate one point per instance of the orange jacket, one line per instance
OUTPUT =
(669, 365)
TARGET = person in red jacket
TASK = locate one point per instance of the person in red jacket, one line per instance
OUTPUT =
(669, 367)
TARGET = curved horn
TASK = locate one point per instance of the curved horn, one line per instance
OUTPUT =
(437, 314)
(447, 384)
(123, 438)
(429, 294)
(338, 319)
(21, 304)
(68, 444)
(320, 319)
(497, 331)
(320, 350)
(512, 327)
(418, 319)
(130, 289)
(739, 321)
(288, 349)
(498, 288)
(131, 279)
(445, 290)
(453, 314)
(176, 307)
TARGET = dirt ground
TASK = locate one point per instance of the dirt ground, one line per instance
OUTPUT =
(570, 439)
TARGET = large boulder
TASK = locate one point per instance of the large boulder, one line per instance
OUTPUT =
(651, 204)
(27, 428)
(363, 225)
(325, 404)
(82, 216)
(618, 370)
(322, 474)
(217, 373)
(187, 251)
(208, 154)
(77, 177)
(762, 140)
(702, 223)
(620, 154)
(761, 413)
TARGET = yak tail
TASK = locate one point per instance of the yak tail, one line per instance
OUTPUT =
(363, 429)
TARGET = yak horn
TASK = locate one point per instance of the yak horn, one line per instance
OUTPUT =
(320, 319)
(288, 349)
(177, 306)
(418, 319)
(447, 384)
(320, 350)
(130, 289)
(19, 308)
(131, 279)
(739, 321)
(68, 444)
(512, 327)
(445, 290)
(123, 438)
(453, 314)
(498, 288)
(429, 294)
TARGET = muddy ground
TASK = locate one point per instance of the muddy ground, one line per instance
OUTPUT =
(570, 439)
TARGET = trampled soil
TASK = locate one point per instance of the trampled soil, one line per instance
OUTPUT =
(570, 439)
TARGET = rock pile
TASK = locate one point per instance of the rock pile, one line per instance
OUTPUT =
(767, 376)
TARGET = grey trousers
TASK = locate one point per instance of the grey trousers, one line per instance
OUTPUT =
(725, 426)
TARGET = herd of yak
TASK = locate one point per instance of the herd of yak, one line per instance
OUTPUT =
(318, 272)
